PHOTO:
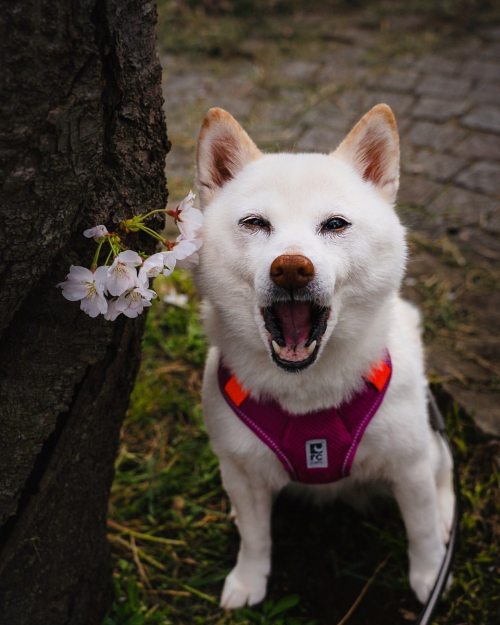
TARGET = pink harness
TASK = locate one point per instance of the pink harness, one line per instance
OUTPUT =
(316, 447)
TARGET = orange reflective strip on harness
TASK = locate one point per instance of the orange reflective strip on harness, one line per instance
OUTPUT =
(234, 391)
(379, 374)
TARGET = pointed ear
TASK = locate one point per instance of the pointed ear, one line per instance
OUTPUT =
(224, 148)
(372, 148)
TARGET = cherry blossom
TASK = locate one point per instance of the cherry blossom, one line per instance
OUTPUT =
(189, 241)
(133, 302)
(186, 252)
(87, 286)
(152, 266)
(190, 218)
(96, 233)
(112, 313)
(123, 286)
(169, 261)
(122, 274)
(184, 248)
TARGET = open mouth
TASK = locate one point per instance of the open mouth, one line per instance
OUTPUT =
(295, 331)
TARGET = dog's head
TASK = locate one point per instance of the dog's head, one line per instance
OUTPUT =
(299, 248)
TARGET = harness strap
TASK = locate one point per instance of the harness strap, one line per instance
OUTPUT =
(317, 447)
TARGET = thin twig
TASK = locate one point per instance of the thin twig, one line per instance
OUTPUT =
(138, 563)
(363, 592)
(200, 594)
(168, 593)
(123, 543)
(154, 539)
(136, 552)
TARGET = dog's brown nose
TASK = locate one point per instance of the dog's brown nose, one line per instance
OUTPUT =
(292, 271)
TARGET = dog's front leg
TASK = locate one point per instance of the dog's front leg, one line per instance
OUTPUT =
(251, 499)
(415, 492)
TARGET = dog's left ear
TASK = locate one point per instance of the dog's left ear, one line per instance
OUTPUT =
(224, 148)
(372, 148)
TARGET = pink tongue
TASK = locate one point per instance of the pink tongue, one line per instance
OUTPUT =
(295, 321)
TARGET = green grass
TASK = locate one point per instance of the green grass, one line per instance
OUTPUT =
(173, 544)
(476, 588)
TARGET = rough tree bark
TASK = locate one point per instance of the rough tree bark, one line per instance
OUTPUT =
(83, 142)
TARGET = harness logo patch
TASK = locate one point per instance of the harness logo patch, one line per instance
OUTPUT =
(316, 454)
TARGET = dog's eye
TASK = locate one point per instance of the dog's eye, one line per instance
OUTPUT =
(255, 223)
(334, 224)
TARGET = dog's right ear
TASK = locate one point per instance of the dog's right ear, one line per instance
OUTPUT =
(224, 148)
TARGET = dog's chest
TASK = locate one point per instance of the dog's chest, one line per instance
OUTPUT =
(318, 447)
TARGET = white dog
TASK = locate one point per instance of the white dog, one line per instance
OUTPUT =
(316, 372)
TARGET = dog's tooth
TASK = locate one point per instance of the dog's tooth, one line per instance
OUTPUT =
(310, 348)
(276, 347)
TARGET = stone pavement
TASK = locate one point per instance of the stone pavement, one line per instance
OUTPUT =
(301, 81)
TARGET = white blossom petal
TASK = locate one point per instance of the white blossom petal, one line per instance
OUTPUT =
(134, 311)
(133, 302)
(73, 291)
(80, 284)
(153, 265)
(129, 257)
(169, 260)
(79, 273)
(142, 278)
(94, 304)
(143, 287)
(183, 248)
(120, 278)
(96, 233)
(190, 218)
(102, 304)
(113, 312)
(122, 302)
(187, 201)
(147, 294)
(190, 223)
(100, 278)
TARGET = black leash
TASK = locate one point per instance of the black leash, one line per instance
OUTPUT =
(438, 424)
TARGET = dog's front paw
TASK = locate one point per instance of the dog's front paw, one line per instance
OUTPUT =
(243, 589)
(424, 572)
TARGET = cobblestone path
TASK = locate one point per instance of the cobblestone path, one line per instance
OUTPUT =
(299, 82)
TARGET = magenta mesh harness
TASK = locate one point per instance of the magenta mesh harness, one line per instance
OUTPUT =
(316, 447)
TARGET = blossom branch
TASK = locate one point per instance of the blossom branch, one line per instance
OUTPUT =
(123, 286)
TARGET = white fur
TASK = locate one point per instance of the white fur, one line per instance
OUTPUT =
(358, 273)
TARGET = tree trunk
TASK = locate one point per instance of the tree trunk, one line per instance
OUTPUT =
(83, 142)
